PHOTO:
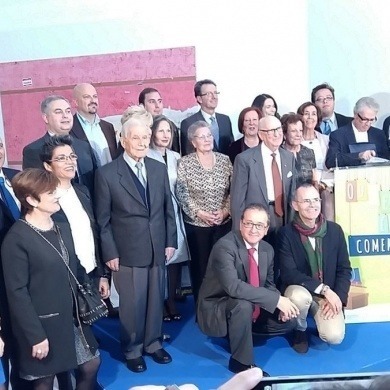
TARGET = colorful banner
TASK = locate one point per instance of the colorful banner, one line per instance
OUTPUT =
(362, 205)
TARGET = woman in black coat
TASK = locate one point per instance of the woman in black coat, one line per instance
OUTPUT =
(50, 336)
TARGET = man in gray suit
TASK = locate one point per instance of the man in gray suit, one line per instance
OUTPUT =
(138, 234)
(265, 174)
(238, 290)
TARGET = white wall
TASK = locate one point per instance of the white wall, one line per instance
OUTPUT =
(280, 47)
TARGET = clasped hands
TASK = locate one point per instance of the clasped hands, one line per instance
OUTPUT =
(215, 217)
(366, 155)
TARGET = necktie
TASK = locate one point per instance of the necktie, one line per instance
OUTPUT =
(215, 130)
(254, 279)
(278, 186)
(9, 200)
(327, 128)
(140, 176)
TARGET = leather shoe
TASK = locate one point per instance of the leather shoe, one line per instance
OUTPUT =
(161, 356)
(136, 365)
(300, 342)
(236, 367)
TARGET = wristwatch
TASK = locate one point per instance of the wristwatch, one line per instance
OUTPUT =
(325, 288)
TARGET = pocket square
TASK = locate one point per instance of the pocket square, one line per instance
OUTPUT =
(289, 174)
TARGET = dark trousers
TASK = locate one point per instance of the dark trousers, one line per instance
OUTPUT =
(141, 301)
(240, 328)
(200, 242)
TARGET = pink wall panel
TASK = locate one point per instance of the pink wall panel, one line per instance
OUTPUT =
(118, 77)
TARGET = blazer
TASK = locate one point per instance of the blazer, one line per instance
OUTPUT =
(225, 133)
(386, 129)
(294, 263)
(86, 163)
(340, 140)
(237, 147)
(249, 185)
(129, 229)
(40, 292)
(227, 276)
(342, 120)
(108, 131)
(86, 201)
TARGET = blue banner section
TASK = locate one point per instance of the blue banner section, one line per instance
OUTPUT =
(374, 245)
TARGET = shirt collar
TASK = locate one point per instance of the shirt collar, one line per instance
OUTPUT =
(266, 150)
(86, 121)
(249, 246)
(206, 115)
(130, 161)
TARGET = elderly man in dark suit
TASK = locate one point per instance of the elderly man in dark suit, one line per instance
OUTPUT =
(344, 149)
(238, 290)
(9, 212)
(323, 97)
(87, 125)
(206, 95)
(265, 174)
(136, 218)
(315, 269)
(57, 115)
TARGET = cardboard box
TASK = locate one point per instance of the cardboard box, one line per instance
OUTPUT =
(357, 297)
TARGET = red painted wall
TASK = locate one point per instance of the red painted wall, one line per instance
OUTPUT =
(118, 78)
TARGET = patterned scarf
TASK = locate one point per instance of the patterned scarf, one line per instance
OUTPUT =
(318, 232)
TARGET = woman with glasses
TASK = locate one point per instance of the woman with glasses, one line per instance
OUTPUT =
(161, 142)
(266, 104)
(42, 297)
(248, 125)
(203, 184)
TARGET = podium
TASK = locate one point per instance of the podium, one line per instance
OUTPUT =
(362, 208)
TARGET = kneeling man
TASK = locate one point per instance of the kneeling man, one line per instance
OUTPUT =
(238, 290)
(314, 268)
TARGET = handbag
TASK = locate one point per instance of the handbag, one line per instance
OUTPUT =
(90, 306)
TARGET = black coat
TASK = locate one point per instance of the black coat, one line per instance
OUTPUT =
(39, 291)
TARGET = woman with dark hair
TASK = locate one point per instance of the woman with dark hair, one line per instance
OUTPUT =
(203, 185)
(305, 163)
(50, 335)
(266, 104)
(161, 142)
(248, 124)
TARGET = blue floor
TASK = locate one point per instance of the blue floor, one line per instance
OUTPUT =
(203, 361)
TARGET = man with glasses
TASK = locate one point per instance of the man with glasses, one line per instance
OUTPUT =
(57, 115)
(238, 294)
(315, 269)
(358, 142)
(206, 95)
(265, 174)
(323, 97)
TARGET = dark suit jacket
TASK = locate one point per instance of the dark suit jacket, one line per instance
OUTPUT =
(249, 186)
(108, 131)
(227, 276)
(86, 201)
(342, 120)
(86, 163)
(225, 133)
(386, 129)
(294, 263)
(138, 235)
(340, 140)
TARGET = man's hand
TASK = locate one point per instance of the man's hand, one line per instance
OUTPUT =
(113, 264)
(104, 288)
(169, 252)
(40, 351)
(287, 308)
(327, 312)
(333, 300)
(365, 156)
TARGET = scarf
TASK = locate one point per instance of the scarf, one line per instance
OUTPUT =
(318, 232)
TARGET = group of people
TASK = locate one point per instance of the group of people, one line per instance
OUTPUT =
(134, 207)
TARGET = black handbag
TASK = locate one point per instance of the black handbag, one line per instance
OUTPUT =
(90, 306)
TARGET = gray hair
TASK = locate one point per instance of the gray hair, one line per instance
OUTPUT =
(194, 127)
(368, 102)
(50, 99)
(135, 115)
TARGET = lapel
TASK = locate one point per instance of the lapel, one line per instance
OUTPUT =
(77, 129)
(263, 265)
(127, 182)
(259, 170)
(150, 174)
(84, 199)
(8, 174)
(284, 170)
(242, 253)
(109, 134)
(350, 135)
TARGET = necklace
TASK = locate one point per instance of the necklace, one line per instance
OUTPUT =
(37, 228)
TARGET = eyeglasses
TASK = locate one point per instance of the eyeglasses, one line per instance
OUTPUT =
(367, 120)
(276, 131)
(62, 158)
(325, 99)
(247, 121)
(204, 137)
(210, 94)
(308, 202)
(257, 226)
